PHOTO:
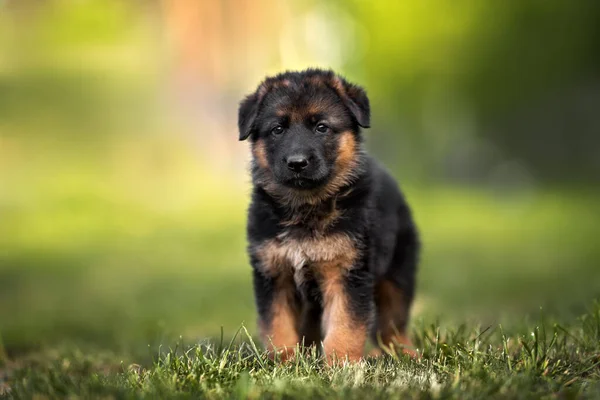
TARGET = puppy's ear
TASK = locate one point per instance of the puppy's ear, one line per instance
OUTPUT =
(355, 98)
(247, 115)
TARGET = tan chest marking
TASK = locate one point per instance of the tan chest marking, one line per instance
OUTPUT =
(290, 254)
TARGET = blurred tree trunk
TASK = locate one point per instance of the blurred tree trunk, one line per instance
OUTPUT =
(213, 44)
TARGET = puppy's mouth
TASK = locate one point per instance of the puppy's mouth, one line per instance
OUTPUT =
(304, 183)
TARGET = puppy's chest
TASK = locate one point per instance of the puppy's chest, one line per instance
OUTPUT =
(297, 251)
(308, 243)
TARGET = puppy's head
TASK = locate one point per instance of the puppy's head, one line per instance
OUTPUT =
(304, 128)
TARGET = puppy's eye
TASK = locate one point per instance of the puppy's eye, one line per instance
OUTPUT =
(322, 128)
(278, 130)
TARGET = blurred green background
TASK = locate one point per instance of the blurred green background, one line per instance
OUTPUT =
(123, 187)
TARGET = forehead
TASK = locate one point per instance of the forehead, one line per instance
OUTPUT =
(299, 99)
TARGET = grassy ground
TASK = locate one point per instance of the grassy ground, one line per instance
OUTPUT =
(104, 273)
(548, 360)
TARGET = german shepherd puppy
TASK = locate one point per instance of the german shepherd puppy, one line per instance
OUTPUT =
(332, 243)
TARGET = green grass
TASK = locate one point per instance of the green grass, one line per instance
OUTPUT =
(545, 359)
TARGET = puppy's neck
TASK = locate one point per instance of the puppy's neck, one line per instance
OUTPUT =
(315, 219)
(308, 214)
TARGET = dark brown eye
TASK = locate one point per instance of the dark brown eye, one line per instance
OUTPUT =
(322, 128)
(278, 130)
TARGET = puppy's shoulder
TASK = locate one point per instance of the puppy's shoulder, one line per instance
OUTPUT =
(264, 216)
(384, 187)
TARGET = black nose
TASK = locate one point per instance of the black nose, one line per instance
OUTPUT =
(297, 162)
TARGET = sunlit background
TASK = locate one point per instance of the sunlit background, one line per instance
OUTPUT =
(123, 187)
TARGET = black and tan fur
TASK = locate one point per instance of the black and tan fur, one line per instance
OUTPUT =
(331, 239)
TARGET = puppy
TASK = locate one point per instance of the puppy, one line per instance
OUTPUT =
(331, 240)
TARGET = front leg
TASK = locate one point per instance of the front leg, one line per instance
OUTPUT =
(348, 309)
(279, 313)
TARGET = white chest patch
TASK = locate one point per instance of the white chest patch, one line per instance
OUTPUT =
(279, 254)
(296, 255)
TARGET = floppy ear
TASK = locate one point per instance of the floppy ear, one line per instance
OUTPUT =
(247, 114)
(355, 98)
